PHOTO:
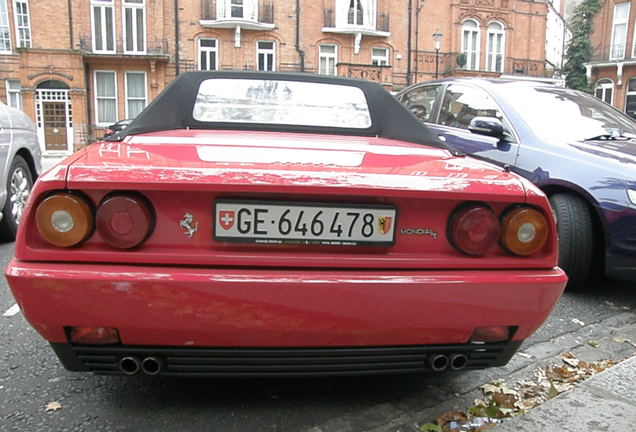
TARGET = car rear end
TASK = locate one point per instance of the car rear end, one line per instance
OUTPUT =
(409, 261)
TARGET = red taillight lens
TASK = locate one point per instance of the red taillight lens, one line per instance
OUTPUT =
(124, 221)
(524, 231)
(64, 219)
(474, 229)
(108, 131)
(93, 335)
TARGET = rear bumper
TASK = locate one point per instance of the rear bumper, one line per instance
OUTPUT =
(181, 307)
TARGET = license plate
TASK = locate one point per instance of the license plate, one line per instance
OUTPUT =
(270, 222)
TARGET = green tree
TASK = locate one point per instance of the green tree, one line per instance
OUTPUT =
(579, 49)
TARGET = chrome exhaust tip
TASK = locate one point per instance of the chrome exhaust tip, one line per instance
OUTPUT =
(458, 361)
(151, 365)
(438, 362)
(129, 365)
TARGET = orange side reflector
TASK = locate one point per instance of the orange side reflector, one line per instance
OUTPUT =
(491, 334)
(94, 335)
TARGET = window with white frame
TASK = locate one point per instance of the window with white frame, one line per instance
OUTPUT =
(236, 8)
(380, 56)
(327, 59)
(630, 99)
(22, 24)
(136, 98)
(5, 33)
(265, 56)
(604, 90)
(470, 44)
(356, 13)
(241, 9)
(103, 19)
(495, 47)
(208, 54)
(14, 96)
(134, 20)
(619, 31)
(105, 97)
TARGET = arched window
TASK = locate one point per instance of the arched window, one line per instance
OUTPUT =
(470, 44)
(495, 48)
(604, 90)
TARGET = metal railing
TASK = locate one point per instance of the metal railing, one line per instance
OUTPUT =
(154, 47)
(382, 21)
(265, 12)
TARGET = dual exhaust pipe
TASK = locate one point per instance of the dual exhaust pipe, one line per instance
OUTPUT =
(440, 362)
(132, 365)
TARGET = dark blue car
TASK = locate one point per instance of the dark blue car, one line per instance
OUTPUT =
(580, 151)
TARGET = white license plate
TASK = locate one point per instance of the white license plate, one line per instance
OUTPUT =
(304, 223)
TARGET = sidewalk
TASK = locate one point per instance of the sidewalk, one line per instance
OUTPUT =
(604, 402)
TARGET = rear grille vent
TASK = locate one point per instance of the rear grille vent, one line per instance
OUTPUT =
(247, 362)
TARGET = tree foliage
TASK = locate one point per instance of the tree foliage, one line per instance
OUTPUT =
(579, 49)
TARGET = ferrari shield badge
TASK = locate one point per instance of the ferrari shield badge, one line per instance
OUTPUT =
(384, 224)
(189, 225)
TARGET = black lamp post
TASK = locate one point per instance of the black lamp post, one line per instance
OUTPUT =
(437, 41)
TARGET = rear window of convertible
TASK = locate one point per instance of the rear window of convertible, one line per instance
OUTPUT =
(281, 102)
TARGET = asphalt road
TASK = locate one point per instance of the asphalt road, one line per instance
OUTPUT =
(31, 377)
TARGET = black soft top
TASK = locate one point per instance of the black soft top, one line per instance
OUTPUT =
(173, 109)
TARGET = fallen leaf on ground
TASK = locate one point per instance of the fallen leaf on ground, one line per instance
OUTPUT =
(52, 406)
(578, 321)
(593, 343)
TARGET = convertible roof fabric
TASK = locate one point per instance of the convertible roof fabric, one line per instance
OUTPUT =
(173, 109)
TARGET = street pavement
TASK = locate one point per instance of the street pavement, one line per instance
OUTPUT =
(604, 402)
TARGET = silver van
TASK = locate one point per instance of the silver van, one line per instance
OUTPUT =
(19, 167)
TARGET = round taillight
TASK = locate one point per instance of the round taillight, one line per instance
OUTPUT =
(474, 229)
(64, 219)
(524, 231)
(124, 221)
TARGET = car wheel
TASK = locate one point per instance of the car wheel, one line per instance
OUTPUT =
(19, 184)
(576, 237)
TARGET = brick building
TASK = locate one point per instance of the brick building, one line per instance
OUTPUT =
(612, 71)
(77, 67)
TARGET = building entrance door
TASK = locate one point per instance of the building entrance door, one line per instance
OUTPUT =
(53, 117)
(55, 120)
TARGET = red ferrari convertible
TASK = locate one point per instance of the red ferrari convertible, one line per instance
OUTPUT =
(251, 224)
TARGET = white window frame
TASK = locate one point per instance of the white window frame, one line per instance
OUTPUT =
(604, 84)
(475, 52)
(629, 93)
(491, 56)
(22, 42)
(614, 55)
(96, 98)
(368, 18)
(14, 93)
(208, 51)
(266, 51)
(103, 6)
(4, 28)
(235, 3)
(134, 7)
(249, 10)
(128, 98)
(380, 60)
(327, 56)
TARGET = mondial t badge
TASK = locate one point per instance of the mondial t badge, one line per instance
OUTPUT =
(186, 223)
(419, 231)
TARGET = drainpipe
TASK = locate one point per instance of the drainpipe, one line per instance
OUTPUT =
(301, 53)
(70, 24)
(176, 36)
(89, 117)
(408, 46)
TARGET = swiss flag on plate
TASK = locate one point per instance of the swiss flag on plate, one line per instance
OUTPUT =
(226, 219)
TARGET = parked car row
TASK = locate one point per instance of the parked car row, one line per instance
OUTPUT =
(19, 167)
(578, 150)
